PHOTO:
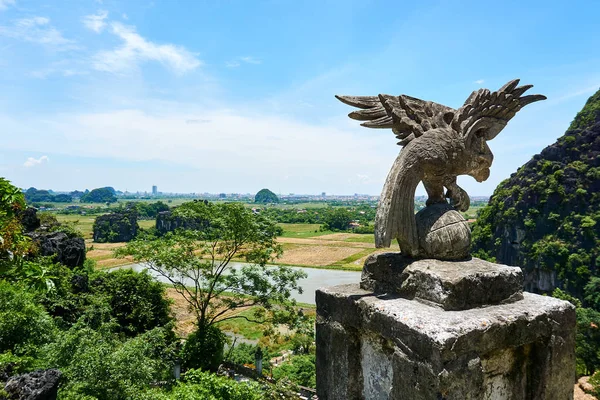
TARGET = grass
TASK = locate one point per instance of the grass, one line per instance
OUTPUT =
(361, 238)
(241, 326)
(302, 230)
(84, 223)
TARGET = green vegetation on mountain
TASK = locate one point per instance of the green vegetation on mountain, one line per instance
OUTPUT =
(100, 195)
(546, 216)
(266, 196)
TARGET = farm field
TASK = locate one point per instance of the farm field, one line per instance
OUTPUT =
(303, 244)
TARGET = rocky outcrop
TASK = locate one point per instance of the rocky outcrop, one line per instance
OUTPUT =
(69, 251)
(166, 221)
(544, 218)
(38, 385)
(116, 227)
(29, 219)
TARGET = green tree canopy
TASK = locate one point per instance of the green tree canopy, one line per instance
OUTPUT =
(198, 264)
(100, 195)
(338, 219)
(266, 196)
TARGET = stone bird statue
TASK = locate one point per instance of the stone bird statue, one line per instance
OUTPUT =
(439, 143)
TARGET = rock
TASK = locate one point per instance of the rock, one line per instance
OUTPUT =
(382, 273)
(167, 222)
(462, 285)
(585, 385)
(38, 385)
(443, 233)
(69, 251)
(452, 285)
(116, 227)
(29, 219)
(386, 347)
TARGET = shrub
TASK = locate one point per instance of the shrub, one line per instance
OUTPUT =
(97, 365)
(204, 349)
(24, 324)
(300, 370)
(137, 301)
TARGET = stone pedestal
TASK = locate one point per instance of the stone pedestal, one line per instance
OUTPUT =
(434, 335)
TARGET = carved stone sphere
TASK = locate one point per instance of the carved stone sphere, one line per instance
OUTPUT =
(443, 233)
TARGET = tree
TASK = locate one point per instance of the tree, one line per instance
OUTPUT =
(337, 219)
(100, 195)
(266, 196)
(198, 264)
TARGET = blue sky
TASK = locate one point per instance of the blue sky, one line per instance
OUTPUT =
(234, 96)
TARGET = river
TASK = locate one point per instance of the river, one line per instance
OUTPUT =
(316, 278)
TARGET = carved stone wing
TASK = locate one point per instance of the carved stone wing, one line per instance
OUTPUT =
(489, 112)
(406, 116)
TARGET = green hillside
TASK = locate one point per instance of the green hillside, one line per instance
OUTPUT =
(546, 216)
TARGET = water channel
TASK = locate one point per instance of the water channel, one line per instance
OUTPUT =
(316, 278)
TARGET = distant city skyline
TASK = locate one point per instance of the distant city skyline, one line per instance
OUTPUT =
(237, 96)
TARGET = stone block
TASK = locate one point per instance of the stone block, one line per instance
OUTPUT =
(452, 285)
(387, 347)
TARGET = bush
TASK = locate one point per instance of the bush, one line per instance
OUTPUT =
(97, 365)
(300, 370)
(204, 349)
(137, 301)
(206, 386)
(24, 324)
(245, 353)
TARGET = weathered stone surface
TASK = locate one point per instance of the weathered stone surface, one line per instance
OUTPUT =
(69, 251)
(388, 347)
(452, 285)
(116, 227)
(382, 273)
(443, 233)
(29, 219)
(167, 222)
(440, 143)
(38, 385)
(462, 285)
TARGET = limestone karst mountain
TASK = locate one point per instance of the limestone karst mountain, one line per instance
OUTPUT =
(546, 216)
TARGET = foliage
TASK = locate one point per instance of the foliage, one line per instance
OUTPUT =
(338, 219)
(204, 348)
(545, 216)
(587, 347)
(300, 369)
(120, 226)
(589, 115)
(266, 196)
(198, 264)
(33, 195)
(137, 301)
(13, 245)
(24, 324)
(95, 363)
(100, 195)
(203, 385)
(245, 353)
(150, 210)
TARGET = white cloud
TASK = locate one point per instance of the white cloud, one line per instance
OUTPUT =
(237, 147)
(32, 162)
(5, 3)
(480, 81)
(238, 61)
(136, 49)
(96, 22)
(37, 30)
